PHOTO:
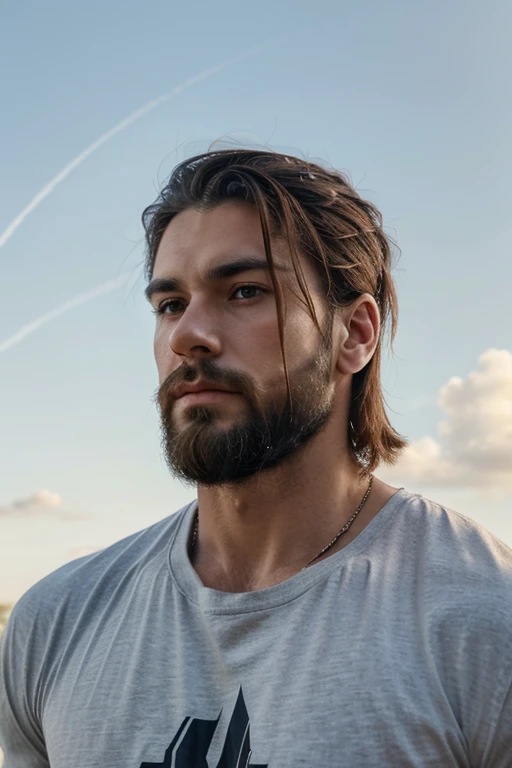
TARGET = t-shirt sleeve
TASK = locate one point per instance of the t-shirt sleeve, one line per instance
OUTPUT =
(469, 599)
(21, 737)
(498, 753)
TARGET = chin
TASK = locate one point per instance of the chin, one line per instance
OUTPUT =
(209, 415)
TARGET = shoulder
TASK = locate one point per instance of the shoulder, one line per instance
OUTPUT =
(453, 540)
(464, 598)
(91, 580)
(71, 604)
(465, 572)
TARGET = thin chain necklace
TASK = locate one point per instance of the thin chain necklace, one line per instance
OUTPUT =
(325, 549)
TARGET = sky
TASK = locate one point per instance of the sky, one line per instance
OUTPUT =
(100, 101)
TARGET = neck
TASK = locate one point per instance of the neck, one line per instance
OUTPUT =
(255, 534)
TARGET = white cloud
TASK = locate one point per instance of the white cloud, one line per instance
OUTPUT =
(39, 504)
(473, 448)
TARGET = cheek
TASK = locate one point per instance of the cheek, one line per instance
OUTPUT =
(162, 354)
(258, 341)
(300, 336)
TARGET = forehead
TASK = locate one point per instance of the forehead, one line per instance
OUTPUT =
(195, 239)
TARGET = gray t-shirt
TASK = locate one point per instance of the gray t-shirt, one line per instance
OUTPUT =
(395, 651)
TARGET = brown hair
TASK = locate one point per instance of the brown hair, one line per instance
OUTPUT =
(321, 214)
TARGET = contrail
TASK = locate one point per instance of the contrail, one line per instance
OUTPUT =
(26, 330)
(78, 160)
(103, 288)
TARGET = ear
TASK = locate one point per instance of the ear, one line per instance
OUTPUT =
(358, 334)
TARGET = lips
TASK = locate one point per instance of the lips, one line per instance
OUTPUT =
(193, 389)
(205, 396)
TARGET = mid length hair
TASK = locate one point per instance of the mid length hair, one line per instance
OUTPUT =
(320, 214)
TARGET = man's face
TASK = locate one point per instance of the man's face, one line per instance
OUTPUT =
(217, 333)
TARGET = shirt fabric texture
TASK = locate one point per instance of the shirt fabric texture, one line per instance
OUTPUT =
(396, 651)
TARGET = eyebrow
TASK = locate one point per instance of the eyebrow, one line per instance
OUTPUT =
(214, 274)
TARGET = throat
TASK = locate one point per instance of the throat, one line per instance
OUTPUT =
(233, 551)
(237, 580)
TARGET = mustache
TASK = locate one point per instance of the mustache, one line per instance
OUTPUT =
(208, 372)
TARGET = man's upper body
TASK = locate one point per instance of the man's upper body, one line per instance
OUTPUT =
(305, 613)
(394, 651)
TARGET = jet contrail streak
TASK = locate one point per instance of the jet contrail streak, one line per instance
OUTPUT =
(78, 160)
(100, 290)
(26, 330)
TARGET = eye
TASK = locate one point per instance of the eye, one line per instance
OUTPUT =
(249, 291)
(242, 293)
(173, 305)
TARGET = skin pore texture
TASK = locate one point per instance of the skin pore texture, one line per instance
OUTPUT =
(260, 530)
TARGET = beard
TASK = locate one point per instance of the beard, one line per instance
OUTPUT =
(271, 430)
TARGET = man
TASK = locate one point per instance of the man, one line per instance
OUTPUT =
(301, 612)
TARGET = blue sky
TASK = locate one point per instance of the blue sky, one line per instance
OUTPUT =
(412, 100)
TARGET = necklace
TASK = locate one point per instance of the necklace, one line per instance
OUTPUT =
(345, 527)
(325, 549)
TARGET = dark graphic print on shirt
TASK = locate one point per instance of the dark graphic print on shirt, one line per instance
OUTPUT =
(190, 745)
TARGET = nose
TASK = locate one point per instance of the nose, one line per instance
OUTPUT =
(194, 335)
